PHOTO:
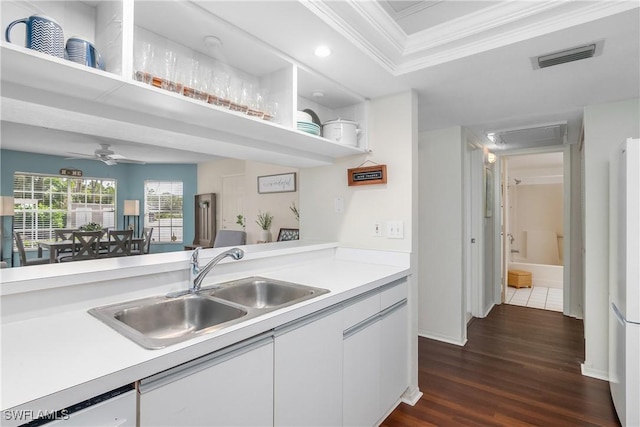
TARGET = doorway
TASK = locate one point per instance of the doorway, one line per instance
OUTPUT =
(233, 189)
(534, 230)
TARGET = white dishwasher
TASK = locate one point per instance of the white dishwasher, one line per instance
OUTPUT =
(116, 408)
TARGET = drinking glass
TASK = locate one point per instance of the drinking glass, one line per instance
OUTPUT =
(144, 56)
(221, 81)
(168, 76)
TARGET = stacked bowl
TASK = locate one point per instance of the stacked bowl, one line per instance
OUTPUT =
(305, 123)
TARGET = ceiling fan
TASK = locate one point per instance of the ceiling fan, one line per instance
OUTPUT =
(105, 155)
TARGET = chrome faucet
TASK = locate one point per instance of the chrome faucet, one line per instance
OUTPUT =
(197, 274)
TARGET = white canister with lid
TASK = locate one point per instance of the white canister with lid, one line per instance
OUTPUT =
(341, 131)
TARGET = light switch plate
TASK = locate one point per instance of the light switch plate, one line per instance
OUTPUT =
(376, 229)
(395, 230)
(338, 205)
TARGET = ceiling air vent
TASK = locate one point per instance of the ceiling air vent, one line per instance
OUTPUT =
(567, 55)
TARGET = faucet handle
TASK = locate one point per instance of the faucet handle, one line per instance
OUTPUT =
(195, 264)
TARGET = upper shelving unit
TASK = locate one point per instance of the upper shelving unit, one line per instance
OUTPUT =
(41, 90)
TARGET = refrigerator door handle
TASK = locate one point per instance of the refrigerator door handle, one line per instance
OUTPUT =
(618, 315)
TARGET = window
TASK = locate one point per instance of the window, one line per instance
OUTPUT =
(163, 210)
(44, 203)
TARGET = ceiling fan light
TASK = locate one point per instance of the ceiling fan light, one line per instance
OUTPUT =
(110, 162)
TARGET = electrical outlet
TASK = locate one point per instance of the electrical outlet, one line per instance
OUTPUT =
(377, 229)
(395, 230)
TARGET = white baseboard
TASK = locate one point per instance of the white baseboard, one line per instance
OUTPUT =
(442, 338)
(594, 373)
(411, 396)
(486, 313)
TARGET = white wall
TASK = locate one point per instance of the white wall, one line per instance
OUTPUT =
(537, 209)
(440, 185)
(210, 176)
(393, 142)
(606, 126)
(390, 139)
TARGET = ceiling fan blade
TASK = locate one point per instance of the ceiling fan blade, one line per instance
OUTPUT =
(107, 161)
(81, 155)
(135, 162)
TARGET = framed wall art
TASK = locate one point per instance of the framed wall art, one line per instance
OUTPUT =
(280, 183)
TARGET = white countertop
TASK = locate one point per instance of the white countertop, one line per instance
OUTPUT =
(58, 359)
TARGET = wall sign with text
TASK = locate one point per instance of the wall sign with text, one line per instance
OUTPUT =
(71, 172)
(367, 175)
(281, 183)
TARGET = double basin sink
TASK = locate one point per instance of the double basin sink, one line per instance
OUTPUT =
(159, 321)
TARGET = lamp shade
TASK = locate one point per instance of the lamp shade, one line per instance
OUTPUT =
(6, 206)
(132, 207)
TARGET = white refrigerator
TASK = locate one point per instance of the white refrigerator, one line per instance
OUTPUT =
(624, 286)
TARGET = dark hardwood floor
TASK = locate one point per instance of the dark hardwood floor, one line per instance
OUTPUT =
(520, 367)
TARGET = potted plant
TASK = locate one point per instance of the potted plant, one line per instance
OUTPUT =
(295, 211)
(264, 221)
(241, 221)
(92, 226)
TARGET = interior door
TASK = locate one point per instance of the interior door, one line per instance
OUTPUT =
(233, 194)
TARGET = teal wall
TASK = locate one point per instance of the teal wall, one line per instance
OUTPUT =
(130, 186)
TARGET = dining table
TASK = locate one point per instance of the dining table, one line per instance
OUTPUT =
(56, 247)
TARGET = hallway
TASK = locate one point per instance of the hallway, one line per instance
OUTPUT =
(520, 367)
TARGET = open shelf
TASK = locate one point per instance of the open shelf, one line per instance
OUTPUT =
(65, 96)
(41, 90)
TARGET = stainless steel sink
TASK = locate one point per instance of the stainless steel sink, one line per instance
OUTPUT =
(159, 321)
(257, 292)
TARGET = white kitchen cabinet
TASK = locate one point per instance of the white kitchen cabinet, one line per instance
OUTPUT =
(361, 386)
(308, 371)
(41, 90)
(394, 355)
(231, 387)
(375, 354)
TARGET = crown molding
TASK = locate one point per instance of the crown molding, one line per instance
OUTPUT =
(324, 10)
(374, 31)
(377, 18)
(475, 24)
(415, 9)
(557, 22)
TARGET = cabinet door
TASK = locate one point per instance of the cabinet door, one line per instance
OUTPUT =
(361, 386)
(230, 388)
(308, 372)
(394, 354)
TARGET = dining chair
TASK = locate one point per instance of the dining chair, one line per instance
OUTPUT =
(119, 243)
(85, 246)
(229, 238)
(62, 234)
(147, 232)
(23, 255)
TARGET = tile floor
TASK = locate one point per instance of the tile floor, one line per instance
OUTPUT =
(536, 297)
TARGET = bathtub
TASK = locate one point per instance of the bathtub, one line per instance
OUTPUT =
(550, 276)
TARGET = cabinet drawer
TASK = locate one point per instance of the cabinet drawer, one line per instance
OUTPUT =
(393, 293)
(361, 309)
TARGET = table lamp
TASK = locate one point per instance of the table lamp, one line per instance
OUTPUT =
(132, 208)
(6, 209)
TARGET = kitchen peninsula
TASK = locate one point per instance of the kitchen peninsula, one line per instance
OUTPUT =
(56, 355)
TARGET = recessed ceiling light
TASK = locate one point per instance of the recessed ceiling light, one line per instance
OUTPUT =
(322, 51)
(212, 42)
(317, 93)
